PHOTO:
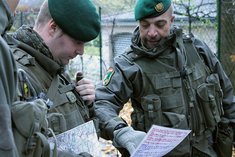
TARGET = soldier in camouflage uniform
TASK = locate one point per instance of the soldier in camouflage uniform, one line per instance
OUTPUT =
(60, 32)
(8, 80)
(172, 80)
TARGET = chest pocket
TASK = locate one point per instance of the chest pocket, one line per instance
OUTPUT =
(68, 109)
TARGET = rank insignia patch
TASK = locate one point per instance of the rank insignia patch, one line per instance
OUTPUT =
(108, 76)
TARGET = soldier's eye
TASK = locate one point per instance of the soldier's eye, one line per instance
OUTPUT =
(144, 25)
(161, 24)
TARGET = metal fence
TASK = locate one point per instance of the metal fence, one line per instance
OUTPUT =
(24, 18)
(226, 36)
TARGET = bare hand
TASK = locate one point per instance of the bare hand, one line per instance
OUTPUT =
(86, 89)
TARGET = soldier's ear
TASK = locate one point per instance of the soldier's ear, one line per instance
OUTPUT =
(52, 27)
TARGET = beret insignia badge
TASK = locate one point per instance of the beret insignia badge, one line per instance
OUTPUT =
(159, 7)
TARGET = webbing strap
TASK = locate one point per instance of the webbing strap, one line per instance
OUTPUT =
(55, 142)
(52, 89)
(45, 144)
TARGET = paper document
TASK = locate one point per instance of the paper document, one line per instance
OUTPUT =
(82, 138)
(159, 141)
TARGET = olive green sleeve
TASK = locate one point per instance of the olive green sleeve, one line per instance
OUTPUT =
(123, 81)
(7, 95)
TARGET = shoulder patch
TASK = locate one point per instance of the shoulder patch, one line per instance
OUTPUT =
(108, 76)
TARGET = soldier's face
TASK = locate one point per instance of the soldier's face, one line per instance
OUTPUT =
(64, 48)
(152, 30)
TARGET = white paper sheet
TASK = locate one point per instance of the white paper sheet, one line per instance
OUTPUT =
(159, 141)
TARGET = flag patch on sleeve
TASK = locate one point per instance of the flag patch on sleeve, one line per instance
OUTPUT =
(108, 76)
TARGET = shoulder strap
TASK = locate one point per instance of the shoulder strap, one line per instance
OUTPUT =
(187, 47)
(52, 89)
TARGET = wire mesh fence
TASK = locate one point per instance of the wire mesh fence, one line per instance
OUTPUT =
(226, 38)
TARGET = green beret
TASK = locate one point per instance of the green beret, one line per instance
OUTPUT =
(150, 8)
(77, 18)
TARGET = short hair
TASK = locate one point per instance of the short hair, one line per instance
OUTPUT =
(43, 16)
(171, 10)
